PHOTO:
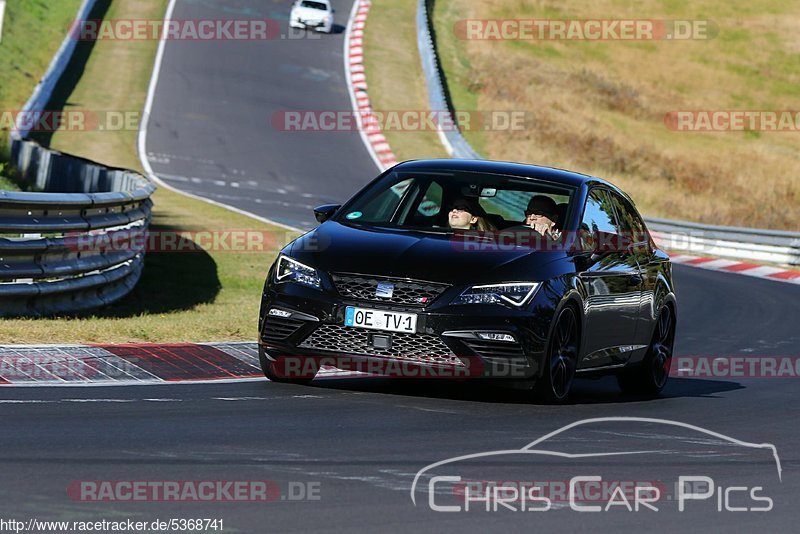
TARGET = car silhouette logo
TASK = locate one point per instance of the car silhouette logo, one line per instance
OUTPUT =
(384, 291)
(533, 449)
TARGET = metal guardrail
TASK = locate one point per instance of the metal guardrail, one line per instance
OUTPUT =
(744, 243)
(774, 246)
(63, 270)
(49, 259)
(455, 143)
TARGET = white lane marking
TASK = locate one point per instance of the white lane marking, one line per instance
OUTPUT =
(117, 383)
(449, 412)
(143, 125)
(155, 399)
(25, 401)
(322, 375)
(97, 400)
(235, 399)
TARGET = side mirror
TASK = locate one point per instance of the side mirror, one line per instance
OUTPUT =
(602, 244)
(323, 213)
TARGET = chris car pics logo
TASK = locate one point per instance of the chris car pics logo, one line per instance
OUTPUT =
(693, 490)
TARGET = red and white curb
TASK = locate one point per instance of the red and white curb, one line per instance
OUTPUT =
(370, 131)
(777, 274)
(134, 364)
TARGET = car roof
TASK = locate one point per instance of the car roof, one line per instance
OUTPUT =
(521, 170)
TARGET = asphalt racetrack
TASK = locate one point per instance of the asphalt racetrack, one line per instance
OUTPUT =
(342, 454)
(216, 126)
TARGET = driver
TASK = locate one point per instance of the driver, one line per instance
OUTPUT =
(541, 215)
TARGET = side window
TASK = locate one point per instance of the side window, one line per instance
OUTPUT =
(598, 223)
(381, 208)
(632, 227)
(431, 203)
(425, 208)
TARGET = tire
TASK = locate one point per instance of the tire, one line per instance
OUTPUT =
(554, 386)
(651, 376)
(276, 372)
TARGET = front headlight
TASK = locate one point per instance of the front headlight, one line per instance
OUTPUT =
(511, 293)
(289, 270)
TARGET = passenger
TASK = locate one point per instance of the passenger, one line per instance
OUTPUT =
(466, 214)
(541, 215)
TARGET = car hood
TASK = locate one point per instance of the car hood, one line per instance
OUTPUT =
(334, 247)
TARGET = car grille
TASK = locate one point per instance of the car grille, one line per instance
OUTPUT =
(495, 349)
(406, 292)
(279, 328)
(420, 348)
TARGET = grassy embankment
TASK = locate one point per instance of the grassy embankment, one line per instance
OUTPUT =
(32, 32)
(599, 107)
(205, 296)
(394, 75)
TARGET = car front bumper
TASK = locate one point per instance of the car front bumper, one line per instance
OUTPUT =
(318, 25)
(446, 341)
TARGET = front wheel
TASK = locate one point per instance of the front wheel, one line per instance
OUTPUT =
(554, 385)
(284, 369)
(650, 377)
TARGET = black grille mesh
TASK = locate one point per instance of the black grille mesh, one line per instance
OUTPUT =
(420, 348)
(406, 292)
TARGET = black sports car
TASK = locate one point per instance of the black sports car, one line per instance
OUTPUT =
(478, 269)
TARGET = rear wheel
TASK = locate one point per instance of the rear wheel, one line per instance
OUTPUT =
(554, 385)
(283, 370)
(651, 375)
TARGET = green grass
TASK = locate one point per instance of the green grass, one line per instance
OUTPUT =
(6, 183)
(394, 75)
(468, 81)
(599, 107)
(32, 32)
(183, 296)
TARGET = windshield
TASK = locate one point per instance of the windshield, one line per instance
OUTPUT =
(434, 200)
(314, 5)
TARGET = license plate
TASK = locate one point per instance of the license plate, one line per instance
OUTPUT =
(387, 321)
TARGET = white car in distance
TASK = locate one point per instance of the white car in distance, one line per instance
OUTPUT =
(312, 14)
